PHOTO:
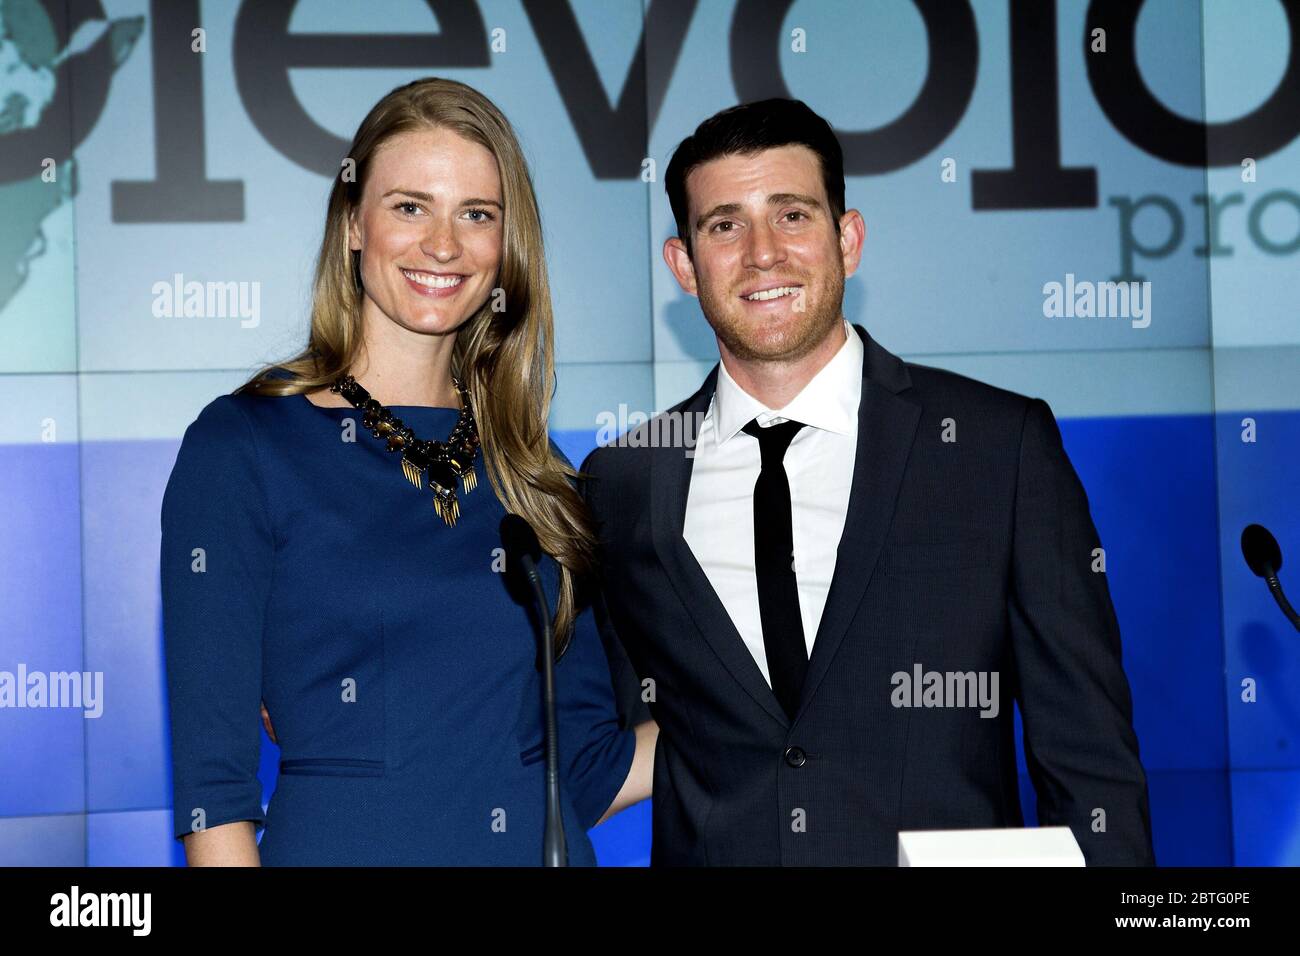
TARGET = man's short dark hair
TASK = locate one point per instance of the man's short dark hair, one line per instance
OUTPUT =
(749, 128)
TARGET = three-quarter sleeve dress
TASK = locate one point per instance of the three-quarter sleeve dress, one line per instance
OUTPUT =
(299, 567)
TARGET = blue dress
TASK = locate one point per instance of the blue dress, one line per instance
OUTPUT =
(303, 569)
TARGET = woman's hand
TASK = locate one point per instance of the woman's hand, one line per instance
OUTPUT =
(640, 777)
(231, 844)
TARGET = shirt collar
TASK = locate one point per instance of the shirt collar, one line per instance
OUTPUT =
(829, 401)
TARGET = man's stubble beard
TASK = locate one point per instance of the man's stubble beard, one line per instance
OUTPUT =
(817, 323)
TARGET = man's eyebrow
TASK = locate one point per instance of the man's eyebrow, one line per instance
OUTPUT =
(426, 197)
(776, 199)
(722, 209)
(781, 199)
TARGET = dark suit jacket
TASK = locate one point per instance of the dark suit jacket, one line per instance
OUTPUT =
(973, 555)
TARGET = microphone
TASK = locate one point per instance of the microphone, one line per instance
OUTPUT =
(1264, 557)
(523, 552)
(519, 540)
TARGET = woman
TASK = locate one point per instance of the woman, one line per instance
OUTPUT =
(324, 555)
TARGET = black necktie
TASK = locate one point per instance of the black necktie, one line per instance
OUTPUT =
(778, 592)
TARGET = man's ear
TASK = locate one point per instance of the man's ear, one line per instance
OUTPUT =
(679, 262)
(853, 235)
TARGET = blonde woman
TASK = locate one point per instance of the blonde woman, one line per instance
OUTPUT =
(325, 556)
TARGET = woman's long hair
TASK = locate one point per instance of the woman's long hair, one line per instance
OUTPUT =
(503, 357)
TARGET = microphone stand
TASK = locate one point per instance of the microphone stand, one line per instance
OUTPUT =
(1275, 588)
(555, 851)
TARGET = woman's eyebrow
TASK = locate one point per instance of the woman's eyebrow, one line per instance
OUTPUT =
(427, 197)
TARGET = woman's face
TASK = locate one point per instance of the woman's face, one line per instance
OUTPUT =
(429, 229)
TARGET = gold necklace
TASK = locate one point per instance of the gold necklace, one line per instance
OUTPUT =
(443, 462)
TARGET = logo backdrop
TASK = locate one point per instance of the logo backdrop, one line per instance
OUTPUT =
(1015, 160)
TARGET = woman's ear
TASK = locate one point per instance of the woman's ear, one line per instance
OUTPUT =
(354, 232)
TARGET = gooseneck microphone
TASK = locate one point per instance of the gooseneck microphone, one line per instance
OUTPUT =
(522, 554)
(1262, 553)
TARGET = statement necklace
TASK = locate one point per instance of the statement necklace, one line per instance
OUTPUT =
(444, 462)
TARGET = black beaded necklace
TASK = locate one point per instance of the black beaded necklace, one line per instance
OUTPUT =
(443, 461)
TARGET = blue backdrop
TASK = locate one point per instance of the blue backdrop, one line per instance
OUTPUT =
(994, 148)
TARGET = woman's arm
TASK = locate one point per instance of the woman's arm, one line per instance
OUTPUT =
(216, 562)
(640, 777)
(231, 844)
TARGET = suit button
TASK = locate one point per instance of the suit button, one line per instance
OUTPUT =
(795, 757)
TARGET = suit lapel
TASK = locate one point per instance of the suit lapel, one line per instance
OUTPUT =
(886, 429)
(670, 479)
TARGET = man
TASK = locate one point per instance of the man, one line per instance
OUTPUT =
(833, 603)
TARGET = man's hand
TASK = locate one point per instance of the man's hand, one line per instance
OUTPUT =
(266, 722)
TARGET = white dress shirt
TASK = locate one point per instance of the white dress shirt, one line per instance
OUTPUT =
(719, 525)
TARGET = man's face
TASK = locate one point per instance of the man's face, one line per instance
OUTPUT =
(768, 264)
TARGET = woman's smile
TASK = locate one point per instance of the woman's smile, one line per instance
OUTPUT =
(438, 285)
